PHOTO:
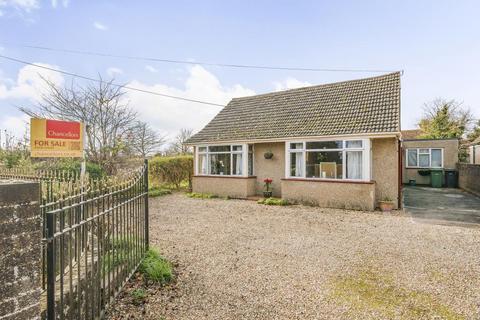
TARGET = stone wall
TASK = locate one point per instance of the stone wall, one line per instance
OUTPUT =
(469, 177)
(20, 250)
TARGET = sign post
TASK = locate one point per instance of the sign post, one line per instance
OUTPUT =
(56, 139)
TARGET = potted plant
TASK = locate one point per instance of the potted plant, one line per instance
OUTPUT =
(424, 172)
(386, 204)
(268, 154)
(267, 193)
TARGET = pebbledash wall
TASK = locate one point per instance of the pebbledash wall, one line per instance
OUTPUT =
(20, 240)
(361, 195)
(450, 156)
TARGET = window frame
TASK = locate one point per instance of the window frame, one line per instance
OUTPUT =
(244, 152)
(408, 166)
(366, 165)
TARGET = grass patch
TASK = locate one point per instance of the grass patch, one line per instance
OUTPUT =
(197, 195)
(138, 296)
(273, 202)
(156, 268)
(118, 252)
(157, 192)
(375, 292)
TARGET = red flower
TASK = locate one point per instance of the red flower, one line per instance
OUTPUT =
(268, 180)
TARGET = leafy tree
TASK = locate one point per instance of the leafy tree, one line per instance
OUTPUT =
(475, 133)
(444, 119)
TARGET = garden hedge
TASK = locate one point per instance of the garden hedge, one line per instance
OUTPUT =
(171, 170)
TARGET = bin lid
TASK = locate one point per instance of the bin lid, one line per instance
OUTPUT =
(451, 170)
(436, 170)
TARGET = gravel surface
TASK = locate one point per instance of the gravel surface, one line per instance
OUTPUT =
(240, 260)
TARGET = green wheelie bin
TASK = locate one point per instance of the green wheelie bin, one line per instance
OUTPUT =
(436, 176)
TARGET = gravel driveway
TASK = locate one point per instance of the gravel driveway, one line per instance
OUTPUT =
(241, 260)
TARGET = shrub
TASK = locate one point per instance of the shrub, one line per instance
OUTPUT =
(171, 170)
(273, 202)
(156, 268)
(201, 195)
(157, 192)
(138, 296)
(94, 170)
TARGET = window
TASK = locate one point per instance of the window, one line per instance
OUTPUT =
(412, 158)
(336, 159)
(250, 159)
(425, 158)
(225, 160)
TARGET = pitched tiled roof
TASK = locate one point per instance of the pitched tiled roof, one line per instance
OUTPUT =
(370, 105)
(411, 134)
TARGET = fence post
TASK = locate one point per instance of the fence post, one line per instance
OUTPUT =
(145, 172)
(50, 266)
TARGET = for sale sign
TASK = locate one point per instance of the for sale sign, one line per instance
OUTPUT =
(55, 138)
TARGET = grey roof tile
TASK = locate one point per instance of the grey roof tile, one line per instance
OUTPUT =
(369, 105)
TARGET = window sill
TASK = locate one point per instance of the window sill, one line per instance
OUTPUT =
(330, 180)
(424, 168)
(222, 176)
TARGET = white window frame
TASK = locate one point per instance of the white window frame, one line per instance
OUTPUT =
(418, 158)
(243, 152)
(366, 163)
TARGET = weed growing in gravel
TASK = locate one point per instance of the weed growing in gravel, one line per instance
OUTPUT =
(156, 268)
(138, 296)
(157, 192)
(273, 202)
(374, 292)
(201, 195)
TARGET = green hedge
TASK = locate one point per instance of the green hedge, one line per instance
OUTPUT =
(171, 170)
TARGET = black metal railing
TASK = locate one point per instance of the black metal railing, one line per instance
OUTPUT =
(95, 236)
(95, 241)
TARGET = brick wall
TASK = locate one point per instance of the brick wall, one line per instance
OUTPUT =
(469, 177)
(20, 251)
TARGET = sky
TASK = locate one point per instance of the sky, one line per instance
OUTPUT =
(436, 43)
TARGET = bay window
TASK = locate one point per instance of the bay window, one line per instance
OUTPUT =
(224, 160)
(424, 158)
(334, 159)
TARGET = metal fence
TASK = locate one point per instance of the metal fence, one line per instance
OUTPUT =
(95, 235)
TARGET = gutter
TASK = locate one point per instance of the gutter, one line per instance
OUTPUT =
(303, 138)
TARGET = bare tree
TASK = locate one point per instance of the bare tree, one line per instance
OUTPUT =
(101, 107)
(178, 145)
(143, 140)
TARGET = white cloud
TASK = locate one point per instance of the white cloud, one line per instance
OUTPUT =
(29, 83)
(112, 72)
(290, 83)
(14, 125)
(151, 69)
(100, 26)
(170, 115)
(20, 5)
(65, 3)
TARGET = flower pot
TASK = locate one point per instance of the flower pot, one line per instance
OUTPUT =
(386, 206)
(268, 155)
(267, 194)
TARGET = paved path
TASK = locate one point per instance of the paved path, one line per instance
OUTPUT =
(442, 205)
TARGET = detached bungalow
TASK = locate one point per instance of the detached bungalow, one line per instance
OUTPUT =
(333, 145)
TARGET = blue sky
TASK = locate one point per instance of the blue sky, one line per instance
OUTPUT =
(435, 42)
